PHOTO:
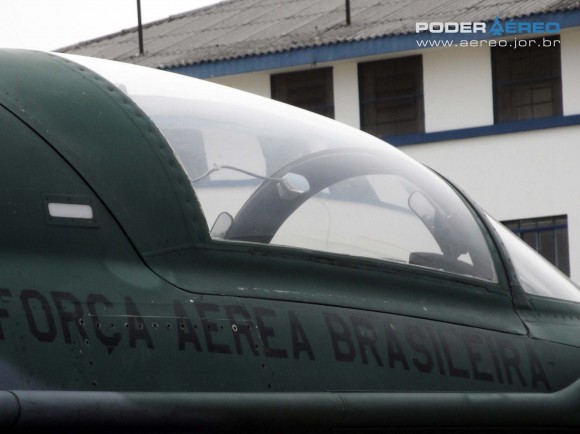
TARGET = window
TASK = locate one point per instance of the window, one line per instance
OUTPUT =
(310, 90)
(548, 236)
(391, 96)
(527, 82)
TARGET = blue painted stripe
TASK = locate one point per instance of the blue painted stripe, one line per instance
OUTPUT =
(487, 130)
(539, 229)
(347, 50)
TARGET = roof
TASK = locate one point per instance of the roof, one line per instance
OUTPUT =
(237, 29)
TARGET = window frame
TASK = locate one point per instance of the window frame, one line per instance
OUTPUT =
(561, 259)
(310, 81)
(507, 88)
(369, 100)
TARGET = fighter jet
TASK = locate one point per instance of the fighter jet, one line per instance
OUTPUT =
(180, 256)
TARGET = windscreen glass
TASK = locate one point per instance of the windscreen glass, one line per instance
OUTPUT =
(536, 275)
(268, 173)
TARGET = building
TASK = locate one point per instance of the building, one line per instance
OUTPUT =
(485, 92)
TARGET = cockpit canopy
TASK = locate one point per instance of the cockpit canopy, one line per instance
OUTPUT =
(268, 173)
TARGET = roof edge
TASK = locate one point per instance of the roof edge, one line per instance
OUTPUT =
(313, 55)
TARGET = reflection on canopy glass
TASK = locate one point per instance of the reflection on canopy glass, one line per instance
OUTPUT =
(269, 173)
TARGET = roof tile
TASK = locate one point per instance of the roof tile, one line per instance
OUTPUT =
(239, 28)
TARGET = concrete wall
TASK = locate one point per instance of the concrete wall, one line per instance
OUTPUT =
(346, 98)
(257, 83)
(457, 88)
(570, 51)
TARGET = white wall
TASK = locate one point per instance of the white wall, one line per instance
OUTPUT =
(346, 96)
(257, 83)
(516, 176)
(570, 51)
(457, 88)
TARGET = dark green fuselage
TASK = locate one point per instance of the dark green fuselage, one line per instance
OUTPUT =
(140, 299)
